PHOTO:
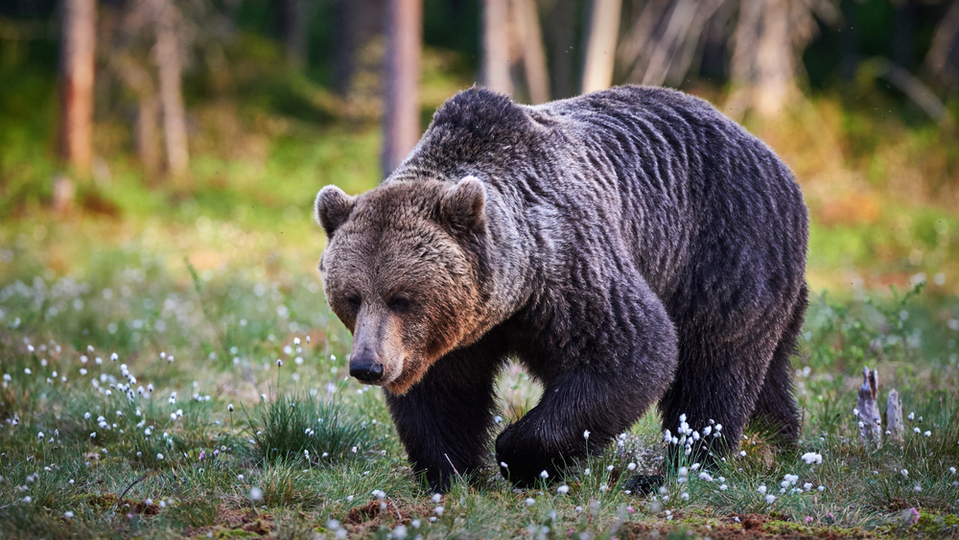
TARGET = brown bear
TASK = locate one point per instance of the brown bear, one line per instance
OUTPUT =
(629, 247)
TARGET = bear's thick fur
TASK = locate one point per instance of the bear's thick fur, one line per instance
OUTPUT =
(629, 247)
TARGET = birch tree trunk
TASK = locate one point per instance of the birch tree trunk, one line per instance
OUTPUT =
(600, 55)
(77, 50)
(531, 41)
(401, 126)
(496, 46)
(170, 73)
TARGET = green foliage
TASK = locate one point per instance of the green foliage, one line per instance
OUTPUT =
(309, 430)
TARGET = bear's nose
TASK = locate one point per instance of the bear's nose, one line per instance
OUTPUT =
(366, 370)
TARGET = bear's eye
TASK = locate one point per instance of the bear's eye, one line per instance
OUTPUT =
(353, 300)
(399, 303)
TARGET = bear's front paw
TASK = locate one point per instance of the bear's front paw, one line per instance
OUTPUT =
(523, 460)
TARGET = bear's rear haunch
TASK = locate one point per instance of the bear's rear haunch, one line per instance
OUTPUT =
(628, 247)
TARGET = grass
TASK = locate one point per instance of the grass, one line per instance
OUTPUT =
(246, 447)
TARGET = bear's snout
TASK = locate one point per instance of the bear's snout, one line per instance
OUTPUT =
(366, 369)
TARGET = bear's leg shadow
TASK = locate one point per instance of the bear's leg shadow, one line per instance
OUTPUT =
(776, 409)
(444, 420)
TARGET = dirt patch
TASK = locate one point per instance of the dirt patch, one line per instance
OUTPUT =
(247, 520)
(748, 527)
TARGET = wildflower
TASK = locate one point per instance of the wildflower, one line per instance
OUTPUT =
(917, 488)
(439, 510)
(723, 487)
(812, 457)
(498, 419)
(917, 430)
(586, 434)
(905, 472)
(562, 490)
(912, 516)
(256, 493)
(436, 498)
(93, 435)
(530, 501)
(809, 520)
(684, 496)
(114, 357)
(761, 489)
(159, 456)
(587, 471)
(279, 363)
(807, 486)
(742, 453)
(821, 488)
(630, 467)
(927, 433)
(952, 470)
(230, 407)
(912, 416)
(544, 475)
(770, 499)
(296, 341)
(40, 435)
(68, 514)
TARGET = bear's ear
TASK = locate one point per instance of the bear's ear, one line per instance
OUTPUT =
(333, 207)
(463, 206)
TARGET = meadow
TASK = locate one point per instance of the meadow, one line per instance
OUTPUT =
(171, 369)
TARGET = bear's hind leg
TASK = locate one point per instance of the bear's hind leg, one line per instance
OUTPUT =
(776, 409)
(713, 387)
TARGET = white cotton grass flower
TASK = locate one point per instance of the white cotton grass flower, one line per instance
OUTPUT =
(812, 457)
(530, 501)
(586, 434)
(439, 510)
(770, 499)
(562, 490)
(256, 494)
(544, 475)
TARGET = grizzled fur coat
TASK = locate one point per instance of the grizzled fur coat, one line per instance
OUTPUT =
(629, 247)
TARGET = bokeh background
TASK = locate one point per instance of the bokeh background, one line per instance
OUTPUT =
(201, 129)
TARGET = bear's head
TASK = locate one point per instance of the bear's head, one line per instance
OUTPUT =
(401, 271)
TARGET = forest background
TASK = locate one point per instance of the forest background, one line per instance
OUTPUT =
(158, 164)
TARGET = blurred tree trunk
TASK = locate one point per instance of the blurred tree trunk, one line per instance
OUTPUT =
(530, 39)
(148, 110)
(496, 41)
(942, 60)
(170, 73)
(559, 30)
(77, 48)
(664, 42)
(767, 42)
(401, 123)
(358, 56)
(601, 38)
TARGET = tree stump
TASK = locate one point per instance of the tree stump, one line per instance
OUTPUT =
(894, 417)
(870, 423)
